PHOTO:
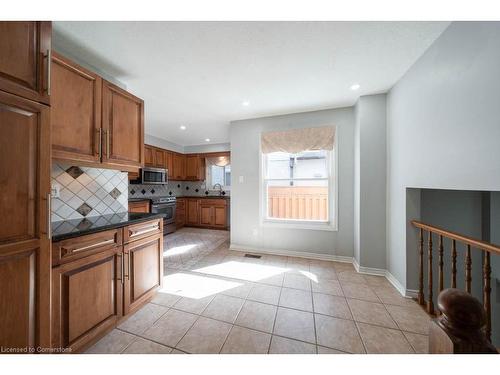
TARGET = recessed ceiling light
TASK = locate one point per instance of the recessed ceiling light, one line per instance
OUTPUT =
(182, 127)
(246, 103)
(355, 87)
(207, 139)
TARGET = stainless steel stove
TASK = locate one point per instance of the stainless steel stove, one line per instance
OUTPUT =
(166, 206)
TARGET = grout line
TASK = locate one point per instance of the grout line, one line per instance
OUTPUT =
(275, 315)
(314, 318)
(355, 324)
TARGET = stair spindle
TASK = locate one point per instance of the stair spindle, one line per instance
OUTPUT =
(421, 299)
(441, 273)
(487, 293)
(430, 303)
(454, 264)
(468, 269)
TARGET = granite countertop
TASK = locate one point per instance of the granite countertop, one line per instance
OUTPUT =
(205, 196)
(62, 230)
(185, 196)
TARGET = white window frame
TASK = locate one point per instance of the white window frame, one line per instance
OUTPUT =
(208, 175)
(330, 225)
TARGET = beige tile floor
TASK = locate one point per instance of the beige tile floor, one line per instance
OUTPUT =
(217, 301)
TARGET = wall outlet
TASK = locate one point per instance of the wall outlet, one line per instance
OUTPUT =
(55, 190)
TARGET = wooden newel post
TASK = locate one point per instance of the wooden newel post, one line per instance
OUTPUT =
(460, 328)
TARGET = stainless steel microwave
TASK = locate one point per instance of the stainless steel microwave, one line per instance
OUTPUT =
(157, 176)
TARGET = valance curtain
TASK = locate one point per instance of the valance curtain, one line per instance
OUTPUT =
(298, 140)
(220, 161)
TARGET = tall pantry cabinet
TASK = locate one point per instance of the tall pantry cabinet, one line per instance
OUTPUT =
(25, 259)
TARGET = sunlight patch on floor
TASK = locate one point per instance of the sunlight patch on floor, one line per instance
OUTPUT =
(241, 270)
(194, 286)
(311, 276)
(177, 250)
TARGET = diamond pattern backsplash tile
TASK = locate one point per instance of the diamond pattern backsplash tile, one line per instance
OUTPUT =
(88, 192)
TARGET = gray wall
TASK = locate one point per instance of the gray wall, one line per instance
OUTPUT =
(443, 125)
(162, 143)
(210, 147)
(245, 203)
(370, 181)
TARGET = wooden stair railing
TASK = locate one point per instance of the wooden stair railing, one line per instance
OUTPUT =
(460, 327)
(471, 243)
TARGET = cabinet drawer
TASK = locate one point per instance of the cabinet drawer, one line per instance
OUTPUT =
(139, 206)
(180, 205)
(142, 230)
(75, 248)
(213, 202)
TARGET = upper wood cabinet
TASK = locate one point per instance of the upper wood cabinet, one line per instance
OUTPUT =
(178, 166)
(25, 266)
(76, 112)
(195, 167)
(169, 159)
(149, 156)
(123, 127)
(94, 122)
(24, 60)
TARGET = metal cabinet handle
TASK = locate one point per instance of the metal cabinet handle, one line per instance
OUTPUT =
(99, 131)
(122, 267)
(144, 230)
(93, 245)
(128, 266)
(107, 144)
(49, 216)
(48, 56)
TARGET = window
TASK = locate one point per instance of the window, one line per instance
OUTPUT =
(297, 187)
(219, 175)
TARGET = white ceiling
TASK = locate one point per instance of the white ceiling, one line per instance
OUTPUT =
(198, 74)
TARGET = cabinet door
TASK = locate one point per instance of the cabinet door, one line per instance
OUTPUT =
(179, 162)
(24, 65)
(169, 164)
(206, 215)
(192, 167)
(220, 216)
(123, 126)
(143, 271)
(24, 223)
(87, 298)
(193, 216)
(159, 158)
(149, 156)
(142, 206)
(75, 112)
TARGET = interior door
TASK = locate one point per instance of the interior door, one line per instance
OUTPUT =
(143, 271)
(75, 112)
(87, 298)
(25, 263)
(24, 67)
(123, 126)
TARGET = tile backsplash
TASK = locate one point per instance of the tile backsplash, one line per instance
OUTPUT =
(173, 189)
(88, 192)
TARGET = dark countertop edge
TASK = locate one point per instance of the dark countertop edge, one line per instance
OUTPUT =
(65, 236)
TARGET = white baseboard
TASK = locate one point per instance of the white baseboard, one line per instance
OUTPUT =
(298, 254)
(409, 293)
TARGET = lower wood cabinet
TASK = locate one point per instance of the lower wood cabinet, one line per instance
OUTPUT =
(139, 206)
(180, 213)
(86, 299)
(96, 289)
(210, 213)
(143, 271)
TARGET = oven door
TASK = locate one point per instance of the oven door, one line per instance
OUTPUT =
(168, 209)
(156, 176)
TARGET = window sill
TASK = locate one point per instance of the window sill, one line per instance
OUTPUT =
(289, 224)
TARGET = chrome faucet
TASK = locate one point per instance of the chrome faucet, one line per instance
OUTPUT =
(220, 188)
